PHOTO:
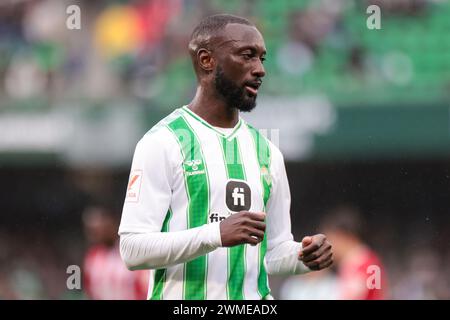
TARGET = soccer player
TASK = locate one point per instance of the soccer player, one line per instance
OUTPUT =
(104, 275)
(360, 271)
(208, 200)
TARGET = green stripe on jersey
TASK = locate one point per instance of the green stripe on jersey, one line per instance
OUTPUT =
(263, 155)
(236, 254)
(197, 188)
(160, 274)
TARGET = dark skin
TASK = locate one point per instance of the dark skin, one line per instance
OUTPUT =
(240, 50)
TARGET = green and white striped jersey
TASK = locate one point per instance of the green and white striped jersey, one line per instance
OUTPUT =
(186, 174)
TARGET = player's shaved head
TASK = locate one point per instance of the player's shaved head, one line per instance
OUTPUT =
(207, 32)
(227, 53)
(211, 27)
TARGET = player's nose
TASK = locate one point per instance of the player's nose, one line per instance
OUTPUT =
(258, 70)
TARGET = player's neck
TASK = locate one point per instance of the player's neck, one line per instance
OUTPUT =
(211, 108)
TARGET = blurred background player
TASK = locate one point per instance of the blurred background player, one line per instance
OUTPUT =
(357, 274)
(360, 273)
(105, 276)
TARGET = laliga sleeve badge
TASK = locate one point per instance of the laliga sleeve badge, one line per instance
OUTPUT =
(134, 186)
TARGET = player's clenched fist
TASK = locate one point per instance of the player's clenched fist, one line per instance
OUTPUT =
(243, 227)
(316, 253)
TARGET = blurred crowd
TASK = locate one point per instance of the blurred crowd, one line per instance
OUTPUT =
(119, 43)
(137, 48)
(33, 264)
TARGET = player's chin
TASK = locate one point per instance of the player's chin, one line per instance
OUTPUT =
(247, 104)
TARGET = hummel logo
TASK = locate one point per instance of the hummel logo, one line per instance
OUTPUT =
(193, 164)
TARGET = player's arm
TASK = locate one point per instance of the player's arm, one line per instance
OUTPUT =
(162, 249)
(284, 255)
(143, 245)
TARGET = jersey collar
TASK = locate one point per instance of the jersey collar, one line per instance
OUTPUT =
(205, 123)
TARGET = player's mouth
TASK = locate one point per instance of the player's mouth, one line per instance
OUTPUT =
(252, 87)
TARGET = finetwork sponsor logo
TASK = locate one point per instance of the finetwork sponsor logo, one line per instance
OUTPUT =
(238, 195)
(216, 217)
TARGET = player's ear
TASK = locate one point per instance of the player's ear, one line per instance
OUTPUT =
(205, 59)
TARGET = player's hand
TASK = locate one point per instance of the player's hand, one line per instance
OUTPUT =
(243, 227)
(317, 252)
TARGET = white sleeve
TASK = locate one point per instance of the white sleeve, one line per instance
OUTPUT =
(282, 251)
(163, 249)
(149, 192)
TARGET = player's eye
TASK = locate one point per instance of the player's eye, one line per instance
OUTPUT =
(263, 59)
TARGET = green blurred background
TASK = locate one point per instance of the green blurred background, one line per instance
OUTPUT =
(362, 117)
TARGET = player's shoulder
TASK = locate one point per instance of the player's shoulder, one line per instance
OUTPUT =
(275, 152)
(160, 134)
